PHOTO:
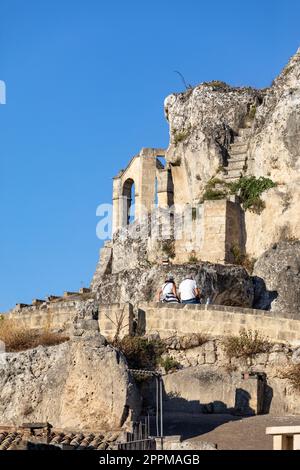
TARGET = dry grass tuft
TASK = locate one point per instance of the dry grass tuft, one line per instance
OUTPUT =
(247, 344)
(140, 352)
(19, 338)
(292, 374)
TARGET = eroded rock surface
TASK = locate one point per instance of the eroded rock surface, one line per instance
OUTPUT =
(279, 269)
(78, 385)
(206, 120)
(203, 122)
(225, 285)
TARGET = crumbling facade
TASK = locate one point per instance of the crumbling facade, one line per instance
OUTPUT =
(206, 231)
(151, 180)
(218, 132)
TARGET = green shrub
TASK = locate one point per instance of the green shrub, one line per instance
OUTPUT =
(247, 344)
(169, 364)
(243, 259)
(213, 182)
(249, 189)
(168, 248)
(140, 352)
(213, 195)
(181, 135)
(193, 258)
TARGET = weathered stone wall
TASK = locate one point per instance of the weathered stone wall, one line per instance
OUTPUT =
(277, 272)
(56, 315)
(142, 171)
(207, 380)
(206, 232)
(223, 230)
(215, 320)
(116, 320)
(167, 320)
(111, 319)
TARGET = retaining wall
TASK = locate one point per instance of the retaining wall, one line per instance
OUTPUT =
(216, 320)
(167, 320)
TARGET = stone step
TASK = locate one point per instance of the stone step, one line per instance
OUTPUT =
(239, 140)
(231, 179)
(233, 174)
(232, 165)
(237, 158)
(241, 146)
(244, 132)
(237, 152)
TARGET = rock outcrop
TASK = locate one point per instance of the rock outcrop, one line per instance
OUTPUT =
(218, 130)
(203, 122)
(275, 152)
(277, 273)
(79, 385)
(224, 285)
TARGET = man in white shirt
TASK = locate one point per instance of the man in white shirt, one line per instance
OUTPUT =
(188, 291)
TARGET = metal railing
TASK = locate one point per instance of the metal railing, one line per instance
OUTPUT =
(140, 438)
(143, 444)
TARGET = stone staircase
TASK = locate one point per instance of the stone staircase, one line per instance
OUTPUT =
(237, 160)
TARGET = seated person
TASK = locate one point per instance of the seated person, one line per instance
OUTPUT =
(168, 291)
(189, 293)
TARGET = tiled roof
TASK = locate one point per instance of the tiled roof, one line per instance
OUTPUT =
(12, 439)
(8, 440)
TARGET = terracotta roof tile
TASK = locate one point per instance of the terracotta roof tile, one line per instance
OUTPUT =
(11, 438)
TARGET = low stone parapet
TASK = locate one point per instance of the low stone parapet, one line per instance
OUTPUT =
(216, 320)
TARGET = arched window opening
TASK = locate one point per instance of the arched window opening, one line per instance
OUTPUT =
(161, 162)
(129, 197)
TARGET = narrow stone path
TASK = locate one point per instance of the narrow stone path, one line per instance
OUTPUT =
(238, 156)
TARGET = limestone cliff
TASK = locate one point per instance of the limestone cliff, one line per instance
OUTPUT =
(80, 385)
(279, 267)
(203, 122)
(217, 130)
(225, 285)
(275, 151)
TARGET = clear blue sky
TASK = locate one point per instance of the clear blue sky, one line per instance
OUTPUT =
(85, 83)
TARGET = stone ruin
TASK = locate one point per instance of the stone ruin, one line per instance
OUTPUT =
(217, 133)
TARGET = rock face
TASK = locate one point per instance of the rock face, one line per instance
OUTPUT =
(279, 268)
(203, 122)
(79, 385)
(207, 122)
(225, 285)
(211, 127)
(275, 152)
